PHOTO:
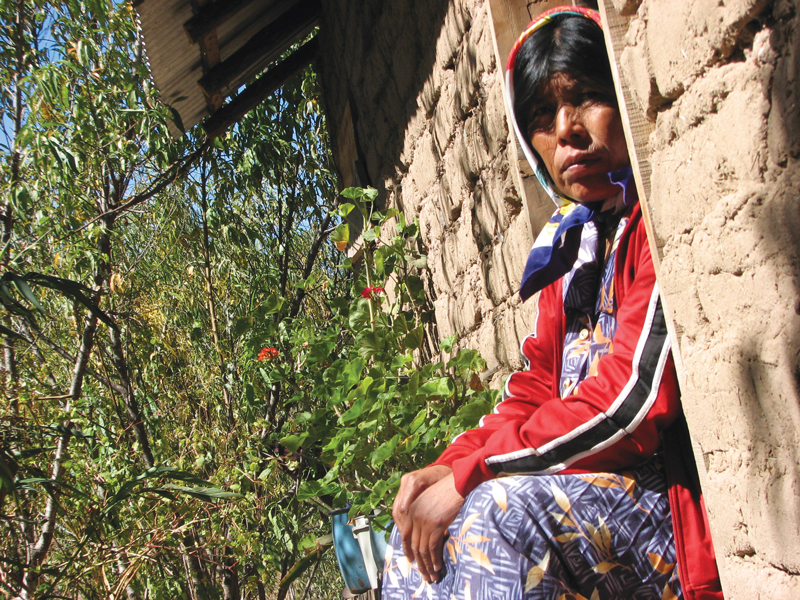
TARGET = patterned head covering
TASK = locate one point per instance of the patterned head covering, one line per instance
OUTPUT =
(556, 248)
(543, 19)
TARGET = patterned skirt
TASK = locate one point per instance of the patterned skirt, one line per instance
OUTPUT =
(601, 536)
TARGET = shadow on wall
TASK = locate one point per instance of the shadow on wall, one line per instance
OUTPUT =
(378, 55)
(375, 59)
(770, 367)
(419, 79)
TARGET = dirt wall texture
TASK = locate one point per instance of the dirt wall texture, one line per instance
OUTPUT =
(414, 100)
(723, 82)
(420, 81)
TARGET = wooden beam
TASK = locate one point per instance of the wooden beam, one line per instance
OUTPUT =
(637, 129)
(211, 16)
(209, 57)
(258, 91)
(264, 47)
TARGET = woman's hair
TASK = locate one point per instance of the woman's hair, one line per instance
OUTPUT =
(569, 44)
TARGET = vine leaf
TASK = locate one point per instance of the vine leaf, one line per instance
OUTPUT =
(481, 558)
(561, 498)
(475, 539)
(603, 567)
(563, 520)
(668, 593)
(536, 574)
(451, 549)
(500, 496)
(659, 564)
(468, 523)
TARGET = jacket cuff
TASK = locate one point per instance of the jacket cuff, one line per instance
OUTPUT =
(468, 471)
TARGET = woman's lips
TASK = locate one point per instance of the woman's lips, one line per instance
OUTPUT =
(579, 165)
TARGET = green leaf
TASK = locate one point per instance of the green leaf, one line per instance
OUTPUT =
(22, 199)
(10, 333)
(344, 209)
(26, 291)
(470, 414)
(369, 344)
(442, 386)
(447, 343)
(354, 412)
(370, 235)
(8, 469)
(418, 420)
(300, 567)
(62, 430)
(353, 193)
(294, 442)
(71, 289)
(467, 359)
(420, 261)
(413, 340)
(385, 451)
(415, 287)
(272, 304)
(129, 486)
(385, 215)
(207, 494)
(340, 236)
(352, 372)
(175, 117)
(242, 325)
(359, 315)
(46, 482)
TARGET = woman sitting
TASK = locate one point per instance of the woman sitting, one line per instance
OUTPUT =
(582, 482)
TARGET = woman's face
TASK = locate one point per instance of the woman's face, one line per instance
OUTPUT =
(577, 132)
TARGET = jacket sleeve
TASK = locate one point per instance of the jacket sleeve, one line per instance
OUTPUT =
(611, 421)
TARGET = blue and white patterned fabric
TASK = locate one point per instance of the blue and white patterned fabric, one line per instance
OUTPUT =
(599, 536)
(589, 302)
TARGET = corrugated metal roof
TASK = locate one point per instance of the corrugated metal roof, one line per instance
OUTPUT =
(176, 63)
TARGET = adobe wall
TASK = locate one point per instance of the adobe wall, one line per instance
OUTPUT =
(416, 84)
(420, 83)
(724, 81)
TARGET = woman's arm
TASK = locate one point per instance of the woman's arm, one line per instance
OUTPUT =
(524, 393)
(611, 422)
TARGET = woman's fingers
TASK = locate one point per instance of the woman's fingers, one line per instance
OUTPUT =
(436, 545)
(424, 557)
(428, 519)
(411, 552)
(407, 535)
(411, 486)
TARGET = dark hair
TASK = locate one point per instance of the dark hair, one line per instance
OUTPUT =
(569, 44)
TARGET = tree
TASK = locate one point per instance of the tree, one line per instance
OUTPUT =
(192, 373)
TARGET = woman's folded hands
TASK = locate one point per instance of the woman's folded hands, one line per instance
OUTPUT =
(424, 508)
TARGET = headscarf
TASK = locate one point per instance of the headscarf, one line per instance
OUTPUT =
(556, 249)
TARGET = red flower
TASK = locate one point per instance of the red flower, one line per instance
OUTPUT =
(370, 292)
(268, 354)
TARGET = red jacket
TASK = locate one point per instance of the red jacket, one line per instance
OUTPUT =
(612, 422)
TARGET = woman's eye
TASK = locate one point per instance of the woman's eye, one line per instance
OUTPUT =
(597, 97)
(541, 117)
(589, 96)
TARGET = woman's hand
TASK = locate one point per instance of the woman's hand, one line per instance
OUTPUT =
(423, 520)
(411, 486)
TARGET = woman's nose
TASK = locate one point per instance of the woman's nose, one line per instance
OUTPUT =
(569, 124)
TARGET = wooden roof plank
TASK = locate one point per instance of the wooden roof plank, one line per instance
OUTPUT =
(264, 47)
(258, 91)
(212, 16)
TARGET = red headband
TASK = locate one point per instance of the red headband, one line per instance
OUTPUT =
(545, 18)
